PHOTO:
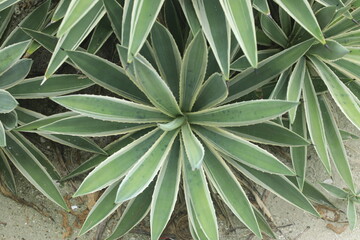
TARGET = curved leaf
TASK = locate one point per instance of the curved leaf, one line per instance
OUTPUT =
(10, 54)
(15, 73)
(7, 102)
(193, 147)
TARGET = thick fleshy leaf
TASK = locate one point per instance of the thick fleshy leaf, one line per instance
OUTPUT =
(155, 88)
(110, 149)
(5, 16)
(241, 150)
(114, 12)
(107, 74)
(135, 211)
(273, 30)
(29, 166)
(251, 79)
(54, 86)
(299, 154)
(90, 127)
(295, 84)
(345, 135)
(263, 224)
(7, 102)
(217, 31)
(167, 56)
(237, 13)
(10, 54)
(348, 38)
(269, 133)
(101, 34)
(190, 15)
(115, 166)
(212, 92)
(103, 208)
(9, 120)
(335, 191)
(165, 193)
(193, 71)
(49, 42)
(126, 26)
(302, 14)
(111, 109)
(60, 10)
(341, 94)
(73, 38)
(15, 73)
(32, 21)
(2, 135)
(76, 11)
(351, 214)
(262, 6)
(331, 51)
(325, 15)
(193, 147)
(315, 122)
(6, 172)
(144, 14)
(197, 191)
(143, 172)
(336, 147)
(7, 3)
(230, 190)
(240, 114)
(278, 185)
(343, 25)
(242, 63)
(174, 124)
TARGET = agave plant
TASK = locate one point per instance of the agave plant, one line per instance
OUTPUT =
(189, 110)
(15, 149)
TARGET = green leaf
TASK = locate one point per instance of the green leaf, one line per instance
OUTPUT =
(9, 120)
(350, 38)
(351, 214)
(135, 211)
(345, 135)
(103, 208)
(302, 14)
(190, 14)
(60, 10)
(2, 135)
(89, 127)
(230, 190)
(335, 191)
(7, 3)
(73, 38)
(269, 133)
(273, 30)
(196, 189)
(6, 172)
(7, 102)
(5, 16)
(241, 150)
(299, 154)
(165, 193)
(76, 11)
(263, 224)
(143, 172)
(237, 13)
(167, 57)
(217, 31)
(174, 124)
(335, 145)
(10, 54)
(143, 17)
(240, 114)
(278, 185)
(262, 6)
(126, 26)
(193, 147)
(115, 13)
(15, 73)
(118, 164)
(341, 94)
(101, 34)
(54, 86)
(29, 166)
(212, 92)
(110, 149)
(331, 51)
(315, 122)
(47, 41)
(155, 88)
(343, 25)
(242, 63)
(111, 109)
(32, 21)
(251, 79)
(295, 85)
(108, 75)
(325, 15)
(193, 71)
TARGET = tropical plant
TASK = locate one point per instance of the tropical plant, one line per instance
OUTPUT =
(15, 149)
(212, 77)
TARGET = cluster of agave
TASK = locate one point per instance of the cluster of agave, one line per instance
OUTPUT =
(199, 84)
